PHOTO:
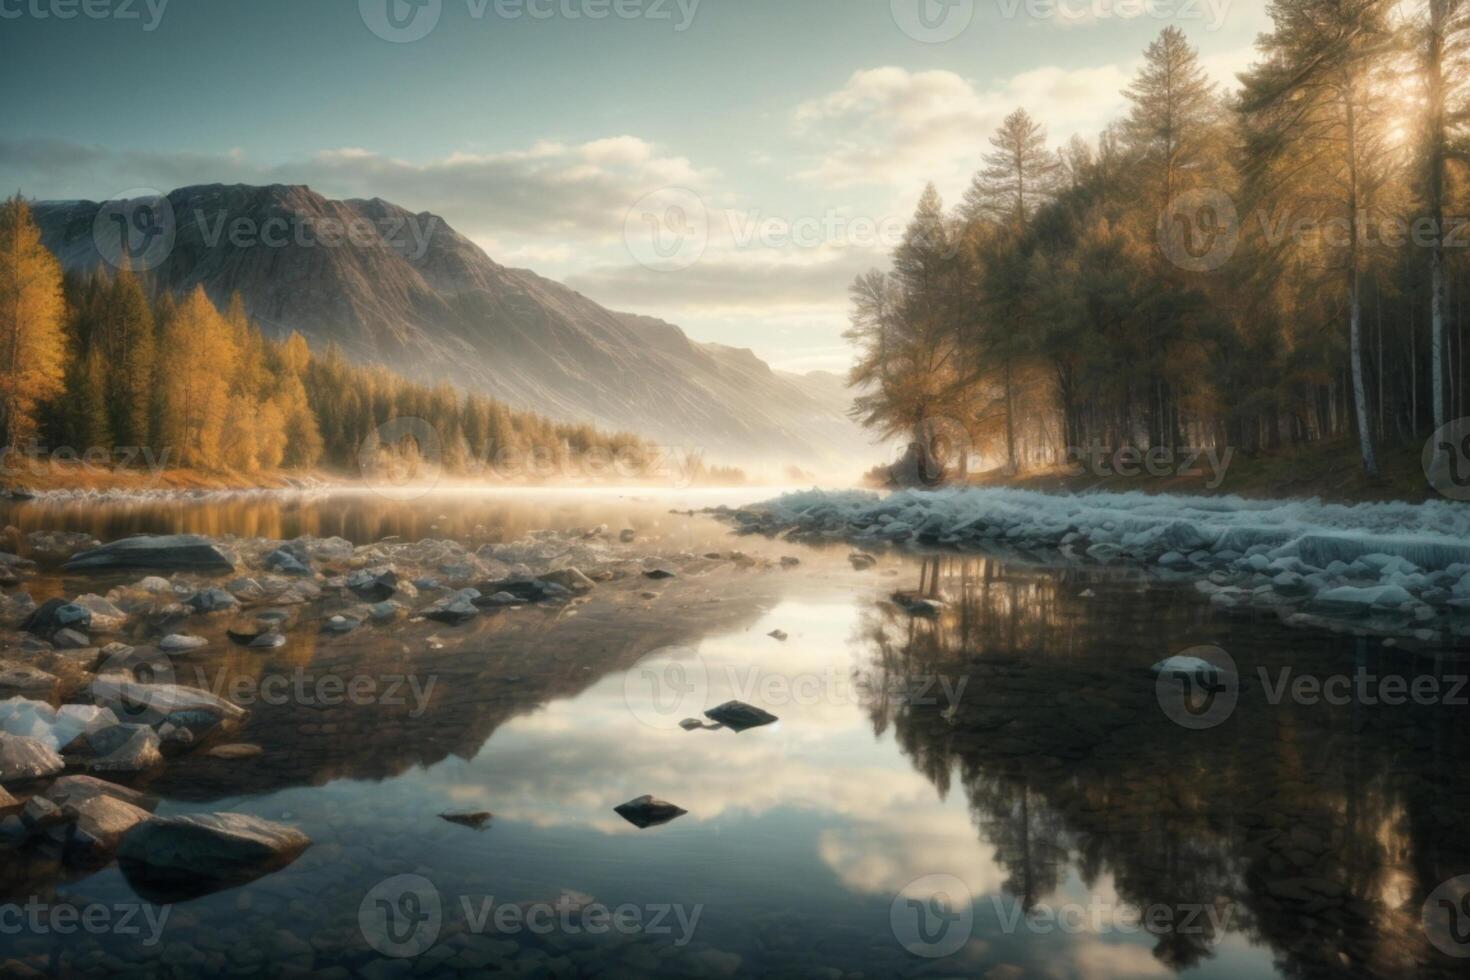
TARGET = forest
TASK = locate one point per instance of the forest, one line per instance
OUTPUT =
(1280, 265)
(112, 371)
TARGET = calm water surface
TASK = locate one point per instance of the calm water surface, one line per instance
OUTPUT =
(997, 792)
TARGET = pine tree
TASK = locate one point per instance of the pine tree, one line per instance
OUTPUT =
(130, 387)
(1173, 105)
(1018, 175)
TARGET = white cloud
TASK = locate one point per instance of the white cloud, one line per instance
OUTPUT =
(890, 126)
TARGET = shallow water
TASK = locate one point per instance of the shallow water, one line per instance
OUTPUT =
(998, 792)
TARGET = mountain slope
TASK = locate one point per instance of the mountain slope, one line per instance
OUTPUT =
(407, 290)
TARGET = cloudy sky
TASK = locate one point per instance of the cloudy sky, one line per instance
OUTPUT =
(728, 165)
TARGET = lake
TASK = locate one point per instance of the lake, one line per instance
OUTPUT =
(1000, 790)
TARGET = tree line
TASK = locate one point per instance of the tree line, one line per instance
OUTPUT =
(101, 361)
(1284, 264)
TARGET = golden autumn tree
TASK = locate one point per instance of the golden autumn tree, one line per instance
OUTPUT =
(202, 360)
(32, 310)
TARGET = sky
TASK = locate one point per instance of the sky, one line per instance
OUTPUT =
(727, 165)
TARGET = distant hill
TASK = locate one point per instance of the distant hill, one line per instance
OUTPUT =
(435, 307)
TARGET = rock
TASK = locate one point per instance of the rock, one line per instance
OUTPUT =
(861, 561)
(570, 579)
(238, 750)
(76, 789)
(514, 591)
(181, 643)
(23, 759)
(286, 563)
(7, 802)
(56, 614)
(373, 585)
(247, 632)
(70, 639)
(627, 535)
(777, 635)
(106, 739)
(916, 605)
(270, 640)
(341, 624)
(138, 754)
(211, 601)
(95, 827)
(645, 812)
(476, 819)
(180, 857)
(173, 552)
(244, 588)
(385, 611)
(155, 704)
(658, 573)
(23, 677)
(40, 813)
(789, 561)
(155, 585)
(454, 609)
(105, 616)
(739, 716)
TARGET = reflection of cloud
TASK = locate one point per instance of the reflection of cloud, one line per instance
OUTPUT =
(890, 848)
(1095, 959)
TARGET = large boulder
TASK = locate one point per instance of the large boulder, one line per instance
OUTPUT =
(57, 614)
(23, 759)
(168, 858)
(95, 826)
(170, 552)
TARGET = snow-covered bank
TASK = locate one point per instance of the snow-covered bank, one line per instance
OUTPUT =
(1386, 568)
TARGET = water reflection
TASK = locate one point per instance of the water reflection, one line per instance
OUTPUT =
(1324, 826)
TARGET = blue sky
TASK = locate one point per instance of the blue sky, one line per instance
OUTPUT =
(793, 137)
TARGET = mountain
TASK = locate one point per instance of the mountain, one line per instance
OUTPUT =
(406, 290)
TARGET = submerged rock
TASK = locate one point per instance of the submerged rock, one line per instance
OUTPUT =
(475, 819)
(57, 614)
(172, 552)
(211, 601)
(645, 812)
(138, 754)
(181, 643)
(739, 716)
(373, 585)
(23, 677)
(235, 751)
(171, 858)
(916, 605)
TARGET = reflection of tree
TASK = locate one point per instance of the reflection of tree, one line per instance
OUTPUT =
(1317, 828)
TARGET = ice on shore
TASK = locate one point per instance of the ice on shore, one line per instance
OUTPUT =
(1301, 557)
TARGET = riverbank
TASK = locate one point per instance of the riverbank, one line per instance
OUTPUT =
(1331, 472)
